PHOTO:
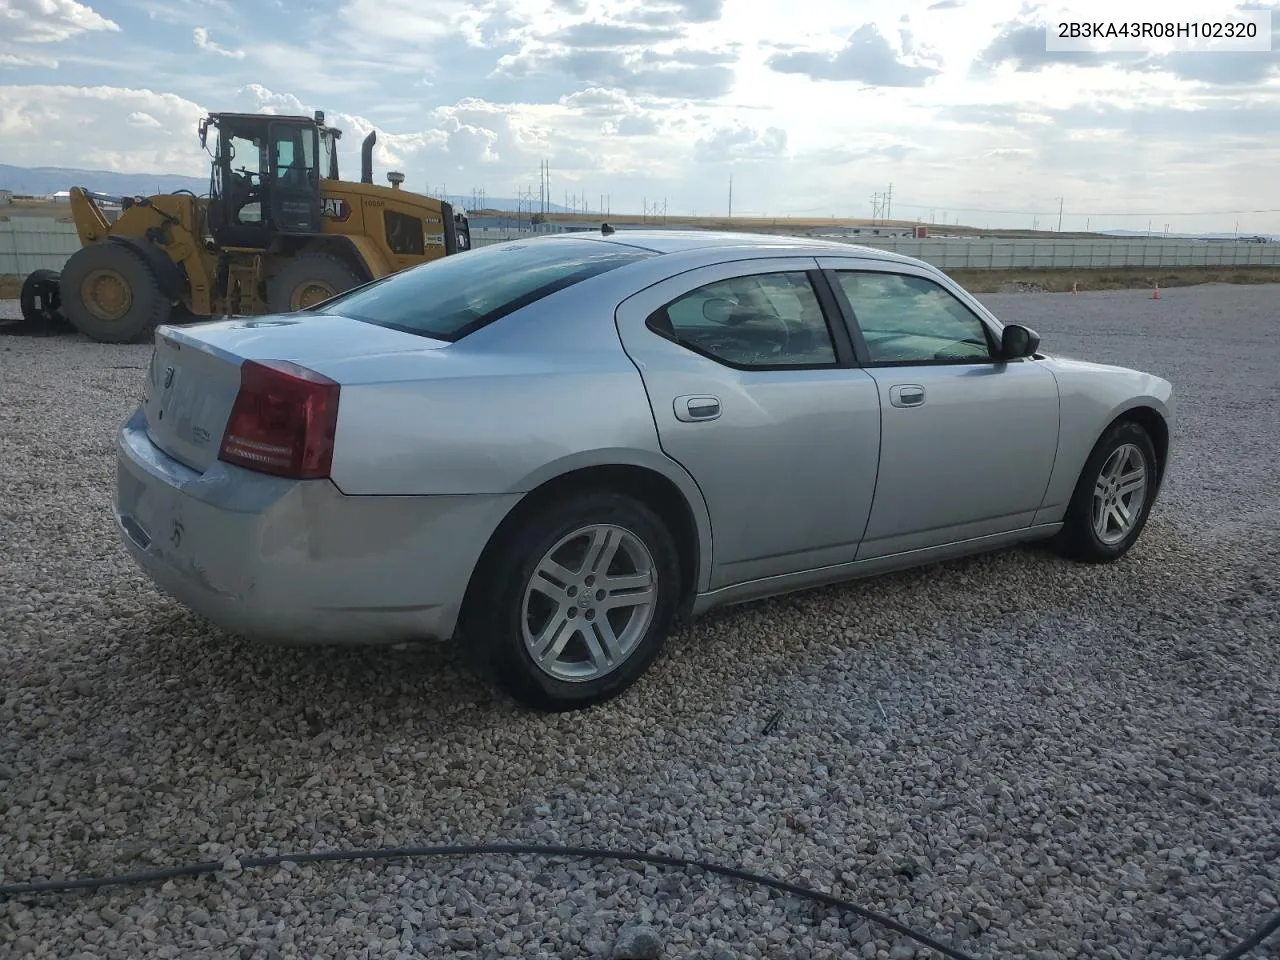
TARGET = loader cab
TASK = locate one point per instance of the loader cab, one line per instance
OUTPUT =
(265, 180)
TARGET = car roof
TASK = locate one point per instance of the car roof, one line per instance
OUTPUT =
(681, 241)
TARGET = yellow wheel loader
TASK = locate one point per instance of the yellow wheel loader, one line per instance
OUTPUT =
(278, 232)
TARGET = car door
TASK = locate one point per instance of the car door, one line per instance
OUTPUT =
(756, 392)
(967, 441)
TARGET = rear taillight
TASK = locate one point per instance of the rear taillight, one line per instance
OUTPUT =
(283, 422)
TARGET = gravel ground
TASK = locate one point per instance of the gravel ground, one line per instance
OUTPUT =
(1020, 756)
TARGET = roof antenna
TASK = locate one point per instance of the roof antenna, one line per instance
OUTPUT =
(606, 229)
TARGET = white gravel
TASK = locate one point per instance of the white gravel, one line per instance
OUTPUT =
(1017, 755)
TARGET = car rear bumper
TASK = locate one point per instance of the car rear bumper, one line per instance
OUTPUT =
(298, 562)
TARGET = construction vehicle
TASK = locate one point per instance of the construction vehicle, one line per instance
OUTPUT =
(279, 231)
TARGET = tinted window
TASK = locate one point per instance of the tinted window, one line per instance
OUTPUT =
(455, 295)
(908, 319)
(404, 233)
(765, 320)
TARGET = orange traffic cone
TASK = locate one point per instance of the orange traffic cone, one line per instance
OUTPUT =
(1155, 294)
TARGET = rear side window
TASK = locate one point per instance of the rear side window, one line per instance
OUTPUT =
(449, 298)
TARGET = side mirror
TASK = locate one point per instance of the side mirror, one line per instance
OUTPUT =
(1017, 341)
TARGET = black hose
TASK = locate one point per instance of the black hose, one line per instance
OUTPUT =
(1253, 940)
(480, 849)
(522, 849)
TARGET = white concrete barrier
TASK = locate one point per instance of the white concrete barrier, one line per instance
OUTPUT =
(30, 243)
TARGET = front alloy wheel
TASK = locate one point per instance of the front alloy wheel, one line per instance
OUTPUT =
(1119, 494)
(1113, 496)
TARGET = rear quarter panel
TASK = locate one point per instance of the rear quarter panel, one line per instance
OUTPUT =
(1092, 397)
(535, 395)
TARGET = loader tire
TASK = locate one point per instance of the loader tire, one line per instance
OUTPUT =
(111, 295)
(41, 300)
(308, 279)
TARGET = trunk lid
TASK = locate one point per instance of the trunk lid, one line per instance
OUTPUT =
(195, 371)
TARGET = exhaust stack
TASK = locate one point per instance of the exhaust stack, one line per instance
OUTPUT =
(366, 157)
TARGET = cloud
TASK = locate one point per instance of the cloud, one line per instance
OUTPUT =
(201, 37)
(49, 21)
(867, 57)
(593, 34)
(894, 152)
(27, 60)
(741, 142)
(106, 128)
(255, 98)
(1021, 44)
(140, 119)
(634, 125)
(639, 72)
(664, 12)
(946, 5)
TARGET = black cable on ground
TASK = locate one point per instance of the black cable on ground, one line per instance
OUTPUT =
(520, 849)
(1253, 940)
(468, 850)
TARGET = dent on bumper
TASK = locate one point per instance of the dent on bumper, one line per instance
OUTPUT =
(298, 562)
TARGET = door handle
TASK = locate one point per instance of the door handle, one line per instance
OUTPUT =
(689, 409)
(906, 395)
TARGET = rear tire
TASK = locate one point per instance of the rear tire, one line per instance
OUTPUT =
(308, 279)
(517, 606)
(1113, 497)
(111, 295)
(41, 300)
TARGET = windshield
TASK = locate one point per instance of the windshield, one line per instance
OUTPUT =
(454, 296)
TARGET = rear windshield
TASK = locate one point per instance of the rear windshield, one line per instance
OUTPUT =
(448, 298)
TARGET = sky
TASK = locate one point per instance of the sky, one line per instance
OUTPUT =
(810, 106)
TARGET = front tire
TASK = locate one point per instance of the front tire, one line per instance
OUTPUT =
(110, 294)
(576, 601)
(1113, 497)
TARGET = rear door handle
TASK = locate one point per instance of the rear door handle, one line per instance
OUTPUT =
(906, 395)
(689, 409)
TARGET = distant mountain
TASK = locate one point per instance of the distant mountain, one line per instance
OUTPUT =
(42, 181)
(1157, 234)
(501, 204)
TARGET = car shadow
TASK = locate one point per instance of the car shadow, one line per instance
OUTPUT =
(433, 687)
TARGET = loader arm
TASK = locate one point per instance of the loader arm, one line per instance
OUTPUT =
(91, 223)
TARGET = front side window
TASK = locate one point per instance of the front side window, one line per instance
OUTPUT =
(450, 297)
(907, 319)
(764, 320)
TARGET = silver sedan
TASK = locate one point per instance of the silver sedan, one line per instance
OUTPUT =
(556, 449)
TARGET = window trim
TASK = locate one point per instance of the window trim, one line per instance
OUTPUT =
(850, 317)
(843, 349)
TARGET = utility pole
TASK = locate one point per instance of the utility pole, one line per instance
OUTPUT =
(644, 208)
(731, 196)
(888, 208)
(1060, 214)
